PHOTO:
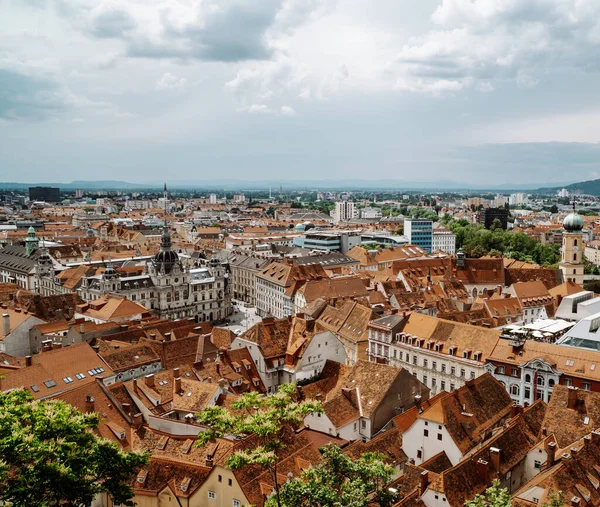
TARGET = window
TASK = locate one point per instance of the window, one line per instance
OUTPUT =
(500, 370)
(363, 424)
(35, 388)
(424, 363)
(50, 383)
(229, 482)
(434, 365)
(472, 374)
(419, 454)
(440, 437)
(514, 390)
(541, 381)
(414, 359)
(212, 495)
(514, 372)
(425, 433)
(537, 464)
(220, 478)
(528, 378)
(453, 370)
(425, 379)
(586, 386)
(452, 388)
(237, 503)
(527, 393)
(443, 368)
(568, 382)
(462, 373)
(443, 384)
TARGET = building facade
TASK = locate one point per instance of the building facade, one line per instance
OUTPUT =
(419, 232)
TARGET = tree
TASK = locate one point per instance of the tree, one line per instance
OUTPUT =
(339, 480)
(556, 500)
(495, 496)
(49, 455)
(554, 208)
(273, 420)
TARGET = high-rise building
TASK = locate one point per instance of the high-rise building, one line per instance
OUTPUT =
(344, 211)
(47, 194)
(212, 198)
(487, 216)
(78, 193)
(419, 232)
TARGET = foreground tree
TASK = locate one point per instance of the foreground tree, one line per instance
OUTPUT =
(273, 420)
(49, 455)
(495, 496)
(339, 481)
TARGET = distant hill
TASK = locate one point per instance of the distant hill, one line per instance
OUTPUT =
(591, 187)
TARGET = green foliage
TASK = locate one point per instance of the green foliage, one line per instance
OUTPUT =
(50, 456)
(272, 419)
(495, 496)
(339, 481)
(556, 500)
(476, 241)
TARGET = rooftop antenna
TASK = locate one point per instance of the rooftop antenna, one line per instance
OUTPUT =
(165, 199)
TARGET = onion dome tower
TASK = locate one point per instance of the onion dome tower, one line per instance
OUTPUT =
(571, 264)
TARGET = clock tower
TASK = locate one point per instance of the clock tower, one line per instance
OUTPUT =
(571, 264)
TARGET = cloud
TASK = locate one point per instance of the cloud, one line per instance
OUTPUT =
(258, 108)
(490, 40)
(171, 82)
(108, 21)
(288, 111)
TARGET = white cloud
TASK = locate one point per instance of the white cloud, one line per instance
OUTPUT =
(481, 41)
(171, 82)
(258, 108)
(288, 111)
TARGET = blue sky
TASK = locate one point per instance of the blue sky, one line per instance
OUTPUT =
(466, 90)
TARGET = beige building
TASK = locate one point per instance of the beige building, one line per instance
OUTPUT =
(244, 269)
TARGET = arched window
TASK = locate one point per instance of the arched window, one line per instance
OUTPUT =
(168, 297)
(574, 256)
(574, 242)
(474, 292)
(528, 378)
(541, 381)
(514, 390)
(551, 382)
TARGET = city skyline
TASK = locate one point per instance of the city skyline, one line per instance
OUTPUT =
(443, 89)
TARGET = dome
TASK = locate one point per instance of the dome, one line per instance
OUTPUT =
(573, 222)
(300, 228)
(166, 258)
(31, 230)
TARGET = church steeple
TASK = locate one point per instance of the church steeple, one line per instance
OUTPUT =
(31, 241)
(166, 258)
(571, 264)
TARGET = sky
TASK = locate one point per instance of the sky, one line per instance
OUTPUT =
(473, 91)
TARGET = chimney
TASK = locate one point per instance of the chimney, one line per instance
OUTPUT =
(576, 501)
(550, 448)
(176, 372)
(499, 290)
(89, 403)
(482, 470)
(126, 407)
(56, 345)
(418, 402)
(27, 360)
(137, 420)
(572, 398)
(516, 410)
(5, 324)
(178, 384)
(150, 380)
(574, 451)
(596, 436)
(495, 458)
(81, 328)
(424, 482)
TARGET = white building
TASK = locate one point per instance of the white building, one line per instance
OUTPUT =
(212, 198)
(563, 192)
(443, 239)
(344, 211)
(370, 213)
(445, 363)
(517, 199)
(578, 306)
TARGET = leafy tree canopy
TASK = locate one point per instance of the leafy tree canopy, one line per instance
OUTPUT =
(50, 456)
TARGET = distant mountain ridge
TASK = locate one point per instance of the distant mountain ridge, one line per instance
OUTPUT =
(239, 184)
(591, 187)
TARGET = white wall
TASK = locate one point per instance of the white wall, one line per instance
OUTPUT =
(414, 440)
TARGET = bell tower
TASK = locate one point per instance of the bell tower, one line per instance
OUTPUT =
(571, 264)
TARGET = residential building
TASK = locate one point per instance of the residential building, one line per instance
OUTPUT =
(517, 199)
(458, 422)
(111, 309)
(276, 286)
(443, 239)
(370, 213)
(344, 211)
(366, 399)
(14, 333)
(343, 287)
(592, 252)
(441, 354)
(419, 232)
(378, 260)
(534, 298)
(244, 269)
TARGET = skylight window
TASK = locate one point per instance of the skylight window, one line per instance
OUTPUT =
(50, 383)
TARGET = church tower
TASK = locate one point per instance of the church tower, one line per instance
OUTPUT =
(32, 243)
(571, 264)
